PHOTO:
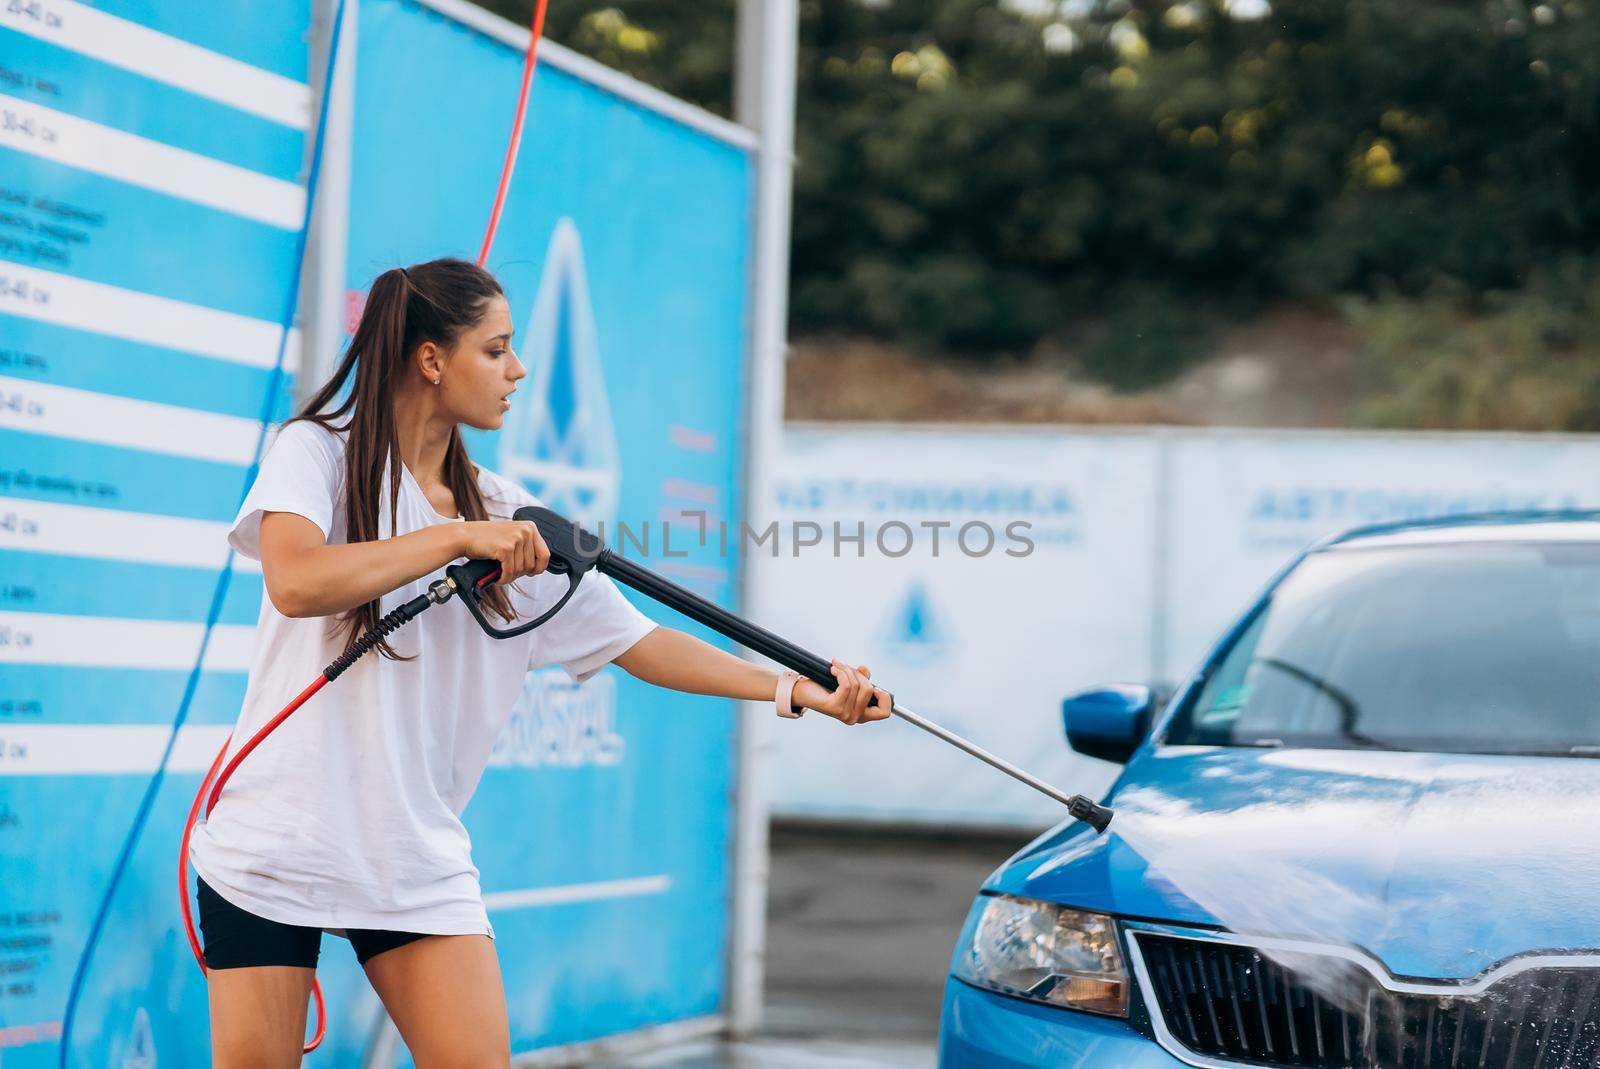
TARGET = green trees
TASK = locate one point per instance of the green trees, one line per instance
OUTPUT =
(976, 176)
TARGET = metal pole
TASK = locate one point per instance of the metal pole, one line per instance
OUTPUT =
(764, 92)
(322, 290)
(765, 103)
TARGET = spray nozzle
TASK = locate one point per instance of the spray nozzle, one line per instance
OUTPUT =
(1091, 813)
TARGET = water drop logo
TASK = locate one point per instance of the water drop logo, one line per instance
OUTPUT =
(559, 440)
(915, 632)
(140, 1052)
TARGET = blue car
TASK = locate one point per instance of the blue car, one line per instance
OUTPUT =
(1364, 833)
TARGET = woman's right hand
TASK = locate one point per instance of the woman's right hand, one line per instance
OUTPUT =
(516, 544)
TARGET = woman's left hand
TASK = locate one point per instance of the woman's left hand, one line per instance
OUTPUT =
(848, 703)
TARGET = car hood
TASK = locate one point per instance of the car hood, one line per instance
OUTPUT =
(1439, 865)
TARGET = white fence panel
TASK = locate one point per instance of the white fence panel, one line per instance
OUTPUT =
(1244, 502)
(985, 643)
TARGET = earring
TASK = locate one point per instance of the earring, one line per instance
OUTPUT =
(436, 380)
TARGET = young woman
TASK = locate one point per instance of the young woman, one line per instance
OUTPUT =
(347, 818)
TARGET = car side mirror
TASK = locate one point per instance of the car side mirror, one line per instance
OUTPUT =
(1108, 722)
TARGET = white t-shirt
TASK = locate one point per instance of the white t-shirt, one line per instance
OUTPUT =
(348, 815)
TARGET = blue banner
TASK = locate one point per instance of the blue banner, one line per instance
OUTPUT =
(151, 168)
(150, 202)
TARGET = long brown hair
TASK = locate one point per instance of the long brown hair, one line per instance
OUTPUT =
(435, 301)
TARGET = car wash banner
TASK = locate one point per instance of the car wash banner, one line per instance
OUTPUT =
(151, 170)
(150, 204)
(603, 828)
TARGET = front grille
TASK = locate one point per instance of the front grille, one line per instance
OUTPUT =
(1228, 1002)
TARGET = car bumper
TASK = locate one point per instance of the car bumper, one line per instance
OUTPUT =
(982, 1030)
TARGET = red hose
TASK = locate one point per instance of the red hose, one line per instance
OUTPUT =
(512, 147)
(515, 142)
(210, 803)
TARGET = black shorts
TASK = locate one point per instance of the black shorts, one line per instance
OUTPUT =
(235, 938)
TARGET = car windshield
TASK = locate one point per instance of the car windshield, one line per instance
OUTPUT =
(1476, 648)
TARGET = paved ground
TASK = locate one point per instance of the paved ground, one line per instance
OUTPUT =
(860, 930)
(790, 1054)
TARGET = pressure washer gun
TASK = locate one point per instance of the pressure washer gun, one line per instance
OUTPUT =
(574, 551)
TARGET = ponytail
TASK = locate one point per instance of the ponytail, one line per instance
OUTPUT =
(434, 301)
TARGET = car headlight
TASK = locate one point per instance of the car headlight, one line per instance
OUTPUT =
(1045, 952)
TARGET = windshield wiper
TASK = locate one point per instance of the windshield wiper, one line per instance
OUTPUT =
(1349, 711)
